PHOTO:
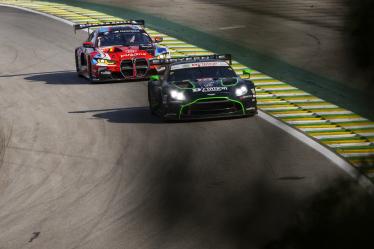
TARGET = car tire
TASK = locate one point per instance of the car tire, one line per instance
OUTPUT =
(76, 65)
(162, 109)
(151, 101)
(89, 72)
(251, 114)
(77, 68)
(79, 74)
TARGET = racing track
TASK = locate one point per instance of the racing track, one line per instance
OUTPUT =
(87, 166)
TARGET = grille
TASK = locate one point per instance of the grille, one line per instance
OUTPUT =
(136, 68)
(127, 68)
(212, 107)
(141, 67)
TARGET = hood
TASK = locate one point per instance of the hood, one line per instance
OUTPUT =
(209, 85)
(209, 82)
(127, 51)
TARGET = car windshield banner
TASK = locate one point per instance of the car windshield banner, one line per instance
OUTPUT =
(200, 64)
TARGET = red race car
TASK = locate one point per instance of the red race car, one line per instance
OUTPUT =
(117, 51)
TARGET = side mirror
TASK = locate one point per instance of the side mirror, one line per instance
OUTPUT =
(160, 70)
(158, 39)
(155, 77)
(88, 44)
(247, 72)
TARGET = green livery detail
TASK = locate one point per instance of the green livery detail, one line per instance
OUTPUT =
(247, 72)
(208, 98)
(233, 84)
(155, 77)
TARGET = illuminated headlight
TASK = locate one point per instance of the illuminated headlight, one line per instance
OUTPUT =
(177, 95)
(107, 62)
(253, 90)
(241, 91)
(163, 56)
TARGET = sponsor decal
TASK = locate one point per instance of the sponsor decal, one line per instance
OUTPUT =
(200, 64)
(133, 53)
(98, 56)
(161, 50)
(127, 31)
(209, 89)
(102, 55)
(206, 82)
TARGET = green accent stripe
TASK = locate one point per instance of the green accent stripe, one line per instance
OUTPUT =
(208, 98)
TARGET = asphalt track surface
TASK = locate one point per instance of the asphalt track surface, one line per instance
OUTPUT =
(87, 166)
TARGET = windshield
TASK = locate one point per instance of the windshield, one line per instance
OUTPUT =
(201, 73)
(118, 38)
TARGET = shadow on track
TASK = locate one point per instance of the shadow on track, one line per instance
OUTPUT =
(141, 115)
(339, 217)
(125, 115)
(63, 78)
(215, 198)
(57, 78)
(226, 210)
(52, 78)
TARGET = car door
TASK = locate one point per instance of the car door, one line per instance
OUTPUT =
(86, 53)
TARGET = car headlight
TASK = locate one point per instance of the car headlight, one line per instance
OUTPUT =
(107, 62)
(253, 90)
(177, 95)
(243, 90)
(163, 56)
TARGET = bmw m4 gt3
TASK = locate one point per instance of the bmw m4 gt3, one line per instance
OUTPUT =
(117, 51)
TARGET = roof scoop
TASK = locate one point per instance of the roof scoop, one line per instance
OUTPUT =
(184, 84)
(229, 81)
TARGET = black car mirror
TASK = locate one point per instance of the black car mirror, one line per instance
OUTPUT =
(160, 70)
(158, 39)
(155, 78)
(247, 72)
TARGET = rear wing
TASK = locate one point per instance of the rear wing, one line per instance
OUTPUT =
(92, 25)
(223, 57)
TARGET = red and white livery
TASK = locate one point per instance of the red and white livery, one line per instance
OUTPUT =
(117, 51)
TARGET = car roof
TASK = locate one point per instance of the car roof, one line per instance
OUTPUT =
(196, 61)
(214, 63)
(195, 64)
(122, 27)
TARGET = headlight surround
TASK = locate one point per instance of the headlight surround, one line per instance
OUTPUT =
(107, 62)
(177, 95)
(163, 56)
(243, 90)
(253, 90)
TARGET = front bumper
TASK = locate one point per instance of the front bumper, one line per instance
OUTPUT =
(114, 73)
(211, 107)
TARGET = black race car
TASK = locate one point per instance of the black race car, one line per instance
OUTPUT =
(199, 87)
